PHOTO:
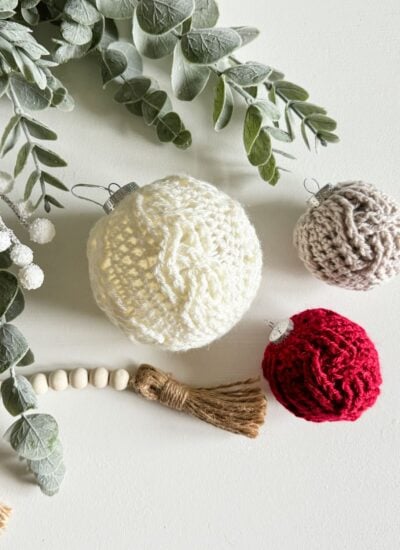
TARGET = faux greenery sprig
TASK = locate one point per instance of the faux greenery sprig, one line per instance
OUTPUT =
(185, 30)
(34, 436)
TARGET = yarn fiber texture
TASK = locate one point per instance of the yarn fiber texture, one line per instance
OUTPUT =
(325, 369)
(352, 238)
(176, 264)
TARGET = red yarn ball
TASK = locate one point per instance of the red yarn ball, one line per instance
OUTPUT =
(325, 369)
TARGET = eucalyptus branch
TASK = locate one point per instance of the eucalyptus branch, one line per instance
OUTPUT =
(14, 207)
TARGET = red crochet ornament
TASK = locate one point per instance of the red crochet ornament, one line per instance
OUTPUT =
(324, 368)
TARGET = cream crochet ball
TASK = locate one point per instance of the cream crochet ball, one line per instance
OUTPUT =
(176, 263)
(350, 236)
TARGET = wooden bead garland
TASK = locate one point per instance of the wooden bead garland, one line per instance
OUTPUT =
(238, 408)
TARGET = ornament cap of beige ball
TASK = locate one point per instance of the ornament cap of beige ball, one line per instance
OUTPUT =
(350, 236)
(176, 263)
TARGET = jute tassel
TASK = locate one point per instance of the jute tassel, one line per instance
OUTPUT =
(5, 513)
(239, 408)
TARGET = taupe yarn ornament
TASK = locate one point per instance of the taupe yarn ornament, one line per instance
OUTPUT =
(350, 236)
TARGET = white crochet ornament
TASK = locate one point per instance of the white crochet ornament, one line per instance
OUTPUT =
(176, 263)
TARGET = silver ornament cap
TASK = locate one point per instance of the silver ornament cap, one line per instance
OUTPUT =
(118, 196)
(280, 330)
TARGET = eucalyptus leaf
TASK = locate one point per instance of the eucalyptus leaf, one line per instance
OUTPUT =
(50, 484)
(30, 184)
(27, 359)
(252, 126)
(207, 46)
(268, 109)
(288, 121)
(47, 157)
(51, 180)
(97, 33)
(18, 395)
(183, 140)
(8, 5)
(81, 11)
(8, 291)
(17, 306)
(291, 91)
(247, 34)
(261, 149)
(29, 95)
(279, 134)
(4, 82)
(327, 137)
(206, 14)
(188, 80)
(275, 178)
(116, 9)
(169, 127)
(161, 16)
(47, 465)
(133, 90)
(152, 45)
(247, 74)
(31, 16)
(304, 108)
(66, 51)
(109, 33)
(135, 108)
(10, 135)
(13, 346)
(32, 72)
(134, 61)
(5, 260)
(267, 170)
(223, 104)
(283, 154)
(303, 130)
(155, 104)
(33, 436)
(114, 63)
(49, 200)
(22, 158)
(321, 122)
(38, 129)
(75, 33)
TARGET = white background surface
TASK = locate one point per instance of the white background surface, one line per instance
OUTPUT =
(142, 477)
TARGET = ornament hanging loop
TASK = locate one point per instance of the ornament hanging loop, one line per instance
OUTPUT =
(319, 194)
(115, 196)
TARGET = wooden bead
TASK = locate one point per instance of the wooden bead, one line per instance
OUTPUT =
(119, 379)
(39, 383)
(78, 378)
(99, 377)
(58, 380)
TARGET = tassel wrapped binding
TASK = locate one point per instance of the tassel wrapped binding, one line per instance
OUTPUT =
(5, 513)
(239, 407)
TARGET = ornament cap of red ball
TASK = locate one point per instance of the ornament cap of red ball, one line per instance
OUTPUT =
(325, 368)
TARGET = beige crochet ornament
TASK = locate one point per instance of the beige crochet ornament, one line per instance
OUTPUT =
(176, 263)
(350, 236)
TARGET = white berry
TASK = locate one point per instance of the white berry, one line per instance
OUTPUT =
(31, 277)
(5, 240)
(21, 255)
(25, 208)
(6, 183)
(41, 231)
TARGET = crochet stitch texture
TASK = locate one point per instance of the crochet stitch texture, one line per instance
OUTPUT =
(325, 369)
(352, 238)
(177, 263)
